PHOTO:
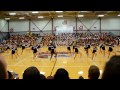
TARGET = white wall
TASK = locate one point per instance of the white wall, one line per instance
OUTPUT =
(88, 22)
(3, 25)
(110, 23)
(21, 25)
(106, 24)
(41, 23)
(59, 21)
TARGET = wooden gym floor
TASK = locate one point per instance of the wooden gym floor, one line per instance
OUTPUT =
(75, 68)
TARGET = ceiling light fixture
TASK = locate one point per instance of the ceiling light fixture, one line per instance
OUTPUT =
(60, 15)
(59, 11)
(35, 12)
(7, 18)
(21, 18)
(80, 15)
(12, 13)
(100, 15)
(40, 17)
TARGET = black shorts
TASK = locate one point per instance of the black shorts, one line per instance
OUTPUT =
(52, 51)
(88, 46)
(49, 48)
(38, 47)
(103, 48)
(94, 51)
(23, 47)
(7, 48)
(32, 48)
(110, 49)
(85, 48)
(54, 46)
(76, 50)
(35, 51)
(100, 47)
(68, 48)
(13, 52)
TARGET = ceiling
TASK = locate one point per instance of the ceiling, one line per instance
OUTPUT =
(54, 14)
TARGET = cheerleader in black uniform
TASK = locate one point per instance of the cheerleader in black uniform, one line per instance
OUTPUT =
(34, 52)
(89, 46)
(53, 51)
(86, 49)
(110, 49)
(103, 48)
(16, 50)
(100, 51)
(74, 43)
(13, 51)
(76, 52)
(23, 47)
(94, 51)
(68, 47)
(7, 48)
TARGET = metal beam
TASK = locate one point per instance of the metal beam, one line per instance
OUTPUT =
(29, 26)
(52, 26)
(76, 23)
(8, 29)
(100, 24)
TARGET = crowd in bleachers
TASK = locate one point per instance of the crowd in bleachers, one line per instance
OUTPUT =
(111, 71)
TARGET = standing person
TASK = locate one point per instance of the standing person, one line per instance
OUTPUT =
(23, 47)
(94, 51)
(7, 46)
(68, 47)
(77, 52)
(13, 51)
(34, 48)
(110, 49)
(86, 49)
(53, 51)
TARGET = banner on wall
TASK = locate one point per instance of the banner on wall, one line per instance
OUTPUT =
(64, 29)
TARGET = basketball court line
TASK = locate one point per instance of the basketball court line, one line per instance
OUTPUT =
(25, 58)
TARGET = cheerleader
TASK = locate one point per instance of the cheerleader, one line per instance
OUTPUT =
(76, 52)
(74, 43)
(7, 48)
(53, 51)
(34, 51)
(13, 51)
(86, 49)
(16, 50)
(100, 51)
(110, 49)
(23, 46)
(94, 51)
(68, 47)
(103, 49)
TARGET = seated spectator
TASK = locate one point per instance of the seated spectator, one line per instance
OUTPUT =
(31, 73)
(112, 68)
(3, 68)
(61, 73)
(42, 76)
(50, 77)
(81, 77)
(93, 72)
(10, 76)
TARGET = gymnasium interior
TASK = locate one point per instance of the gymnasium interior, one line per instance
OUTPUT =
(40, 27)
